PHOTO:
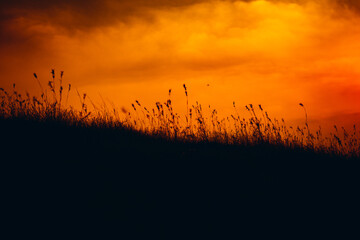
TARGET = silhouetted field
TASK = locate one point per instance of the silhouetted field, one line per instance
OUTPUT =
(64, 170)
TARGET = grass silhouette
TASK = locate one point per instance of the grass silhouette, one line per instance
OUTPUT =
(153, 172)
(162, 122)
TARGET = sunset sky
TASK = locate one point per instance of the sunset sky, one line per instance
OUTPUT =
(277, 53)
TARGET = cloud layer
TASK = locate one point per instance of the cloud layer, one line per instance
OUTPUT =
(272, 52)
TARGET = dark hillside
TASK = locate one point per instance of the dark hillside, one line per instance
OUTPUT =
(66, 177)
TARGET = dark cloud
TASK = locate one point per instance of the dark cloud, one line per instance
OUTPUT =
(82, 14)
(351, 4)
(18, 16)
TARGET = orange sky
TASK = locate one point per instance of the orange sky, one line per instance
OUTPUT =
(274, 53)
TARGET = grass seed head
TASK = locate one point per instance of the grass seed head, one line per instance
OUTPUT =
(185, 89)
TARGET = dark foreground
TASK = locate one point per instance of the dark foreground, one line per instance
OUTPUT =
(101, 182)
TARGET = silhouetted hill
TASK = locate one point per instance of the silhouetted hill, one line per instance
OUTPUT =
(59, 177)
